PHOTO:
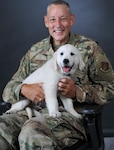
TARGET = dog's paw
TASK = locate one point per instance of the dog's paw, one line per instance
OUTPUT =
(79, 116)
(55, 114)
(10, 111)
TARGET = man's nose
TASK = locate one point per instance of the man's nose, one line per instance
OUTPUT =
(58, 22)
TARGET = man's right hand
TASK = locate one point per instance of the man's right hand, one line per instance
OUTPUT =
(33, 92)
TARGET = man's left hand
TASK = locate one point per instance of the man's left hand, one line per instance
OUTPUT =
(67, 87)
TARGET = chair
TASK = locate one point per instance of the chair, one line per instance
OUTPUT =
(92, 119)
(4, 106)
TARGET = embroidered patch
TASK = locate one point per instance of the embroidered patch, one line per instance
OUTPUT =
(105, 67)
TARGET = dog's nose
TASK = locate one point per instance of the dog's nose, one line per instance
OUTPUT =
(66, 61)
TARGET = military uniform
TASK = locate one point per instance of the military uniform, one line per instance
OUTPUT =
(94, 84)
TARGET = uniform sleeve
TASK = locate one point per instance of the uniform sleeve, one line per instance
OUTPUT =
(11, 92)
(101, 80)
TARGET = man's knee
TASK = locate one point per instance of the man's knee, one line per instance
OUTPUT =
(33, 135)
(4, 144)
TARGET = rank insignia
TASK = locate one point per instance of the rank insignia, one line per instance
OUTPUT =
(105, 67)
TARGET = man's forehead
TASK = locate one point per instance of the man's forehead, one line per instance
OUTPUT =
(61, 9)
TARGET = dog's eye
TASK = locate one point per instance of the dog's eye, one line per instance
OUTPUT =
(61, 53)
(71, 54)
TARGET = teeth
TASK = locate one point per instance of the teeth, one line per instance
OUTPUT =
(58, 31)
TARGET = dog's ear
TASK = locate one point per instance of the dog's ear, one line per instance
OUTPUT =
(81, 63)
(54, 62)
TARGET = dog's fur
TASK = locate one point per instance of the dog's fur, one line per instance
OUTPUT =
(63, 64)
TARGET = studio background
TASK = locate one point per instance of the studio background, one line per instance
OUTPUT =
(21, 26)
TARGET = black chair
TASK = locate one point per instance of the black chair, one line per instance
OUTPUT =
(4, 106)
(92, 120)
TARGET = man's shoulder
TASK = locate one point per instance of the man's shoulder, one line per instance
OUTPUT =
(82, 38)
(40, 45)
(42, 42)
(82, 42)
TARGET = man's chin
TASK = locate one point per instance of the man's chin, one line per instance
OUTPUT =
(58, 37)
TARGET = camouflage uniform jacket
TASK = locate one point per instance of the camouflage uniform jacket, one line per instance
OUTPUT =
(94, 84)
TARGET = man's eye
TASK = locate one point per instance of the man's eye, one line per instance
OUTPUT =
(63, 18)
(52, 19)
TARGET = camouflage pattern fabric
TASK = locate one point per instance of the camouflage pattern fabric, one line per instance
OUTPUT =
(40, 133)
(10, 126)
(51, 133)
(95, 84)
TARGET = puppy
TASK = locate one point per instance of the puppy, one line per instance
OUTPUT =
(64, 63)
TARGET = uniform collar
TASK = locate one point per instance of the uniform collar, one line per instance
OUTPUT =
(50, 41)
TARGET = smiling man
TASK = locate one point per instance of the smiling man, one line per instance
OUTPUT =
(58, 20)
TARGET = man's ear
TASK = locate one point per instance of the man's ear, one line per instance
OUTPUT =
(46, 21)
(72, 19)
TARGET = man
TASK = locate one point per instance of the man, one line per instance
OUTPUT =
(94, 84)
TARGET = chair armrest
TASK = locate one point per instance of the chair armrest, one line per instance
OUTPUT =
(89, 109)
(4, 106)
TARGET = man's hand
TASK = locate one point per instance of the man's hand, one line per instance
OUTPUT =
(33, 92)
(67, 88)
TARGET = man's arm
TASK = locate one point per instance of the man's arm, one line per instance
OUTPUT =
(11, 92)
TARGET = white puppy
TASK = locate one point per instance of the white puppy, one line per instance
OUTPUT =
(63, 64)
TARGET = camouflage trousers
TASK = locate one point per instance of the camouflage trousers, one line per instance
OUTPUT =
(39, 133)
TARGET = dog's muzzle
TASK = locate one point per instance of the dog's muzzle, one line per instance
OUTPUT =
(66, 68)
